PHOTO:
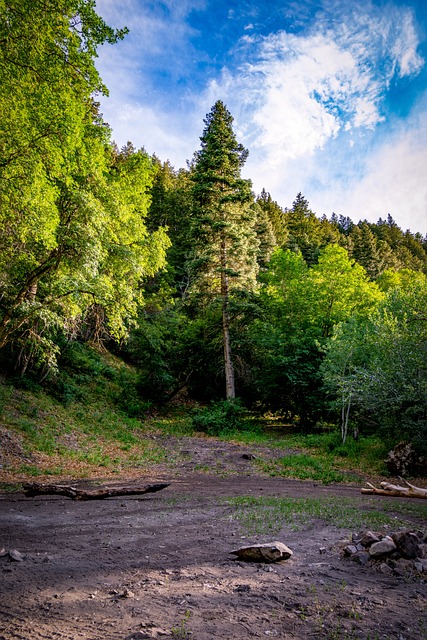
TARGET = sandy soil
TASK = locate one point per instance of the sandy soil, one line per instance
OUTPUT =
(159, 565)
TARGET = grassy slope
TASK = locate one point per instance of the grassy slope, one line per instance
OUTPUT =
(85, 424)
(91, 422)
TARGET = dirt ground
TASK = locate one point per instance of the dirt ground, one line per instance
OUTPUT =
(159, 565)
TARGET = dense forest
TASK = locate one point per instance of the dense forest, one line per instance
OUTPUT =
(210, 291)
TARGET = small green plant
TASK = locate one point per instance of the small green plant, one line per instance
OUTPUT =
(30, 469)
(181, 632)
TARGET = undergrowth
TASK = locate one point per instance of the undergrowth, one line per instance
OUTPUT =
(92, 415)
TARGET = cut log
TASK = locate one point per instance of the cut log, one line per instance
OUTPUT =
(387, 489)
(32, 489)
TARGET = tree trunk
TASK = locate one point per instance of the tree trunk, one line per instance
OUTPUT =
(32, 489)
(345, 413)
(228, 363)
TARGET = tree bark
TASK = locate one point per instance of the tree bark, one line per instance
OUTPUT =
(32, 489)
(228, 362)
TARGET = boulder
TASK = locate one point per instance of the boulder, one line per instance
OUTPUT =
(408, 544)
(365, 538)
(384, 546)
(267, 552)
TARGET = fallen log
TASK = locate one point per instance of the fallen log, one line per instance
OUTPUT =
(388, 489)
(32, 489)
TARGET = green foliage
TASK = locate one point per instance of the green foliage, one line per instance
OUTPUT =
(377, 365)
(300, 305)
(370, 252)
(306, 233)
(276, 216)
(223, 220)
(220, 418)
(74, 243)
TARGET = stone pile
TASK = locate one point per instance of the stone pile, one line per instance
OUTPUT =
(402, 553)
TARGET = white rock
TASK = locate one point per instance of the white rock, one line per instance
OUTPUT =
(267, 552)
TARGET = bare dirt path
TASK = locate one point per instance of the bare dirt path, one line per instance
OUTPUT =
(159, 566)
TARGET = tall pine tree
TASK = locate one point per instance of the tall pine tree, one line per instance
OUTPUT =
(224, 237)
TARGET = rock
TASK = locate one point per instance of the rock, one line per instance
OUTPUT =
(385, 569)
(361, 557)
(350, 549)
(408, 544)
(267, 552)
(384, 546)
(423, 550)
(16, 556)
(365, 538)
(421, 562)
(3, 552)
(404, 567)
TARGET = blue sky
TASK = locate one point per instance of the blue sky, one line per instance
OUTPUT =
(329, 96)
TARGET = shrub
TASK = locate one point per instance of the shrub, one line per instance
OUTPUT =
(220, 418)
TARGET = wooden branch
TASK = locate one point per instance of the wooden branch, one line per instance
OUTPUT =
(32, 489)
(387, 489)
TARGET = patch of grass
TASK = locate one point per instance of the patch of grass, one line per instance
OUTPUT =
(261, 515)
(79, 435)
(305, 467)
(30, 470)
(6, 392)
(325, 458)
(10, 487)
(173, 425)
(145, 456)
(96, 457)
(365, 453)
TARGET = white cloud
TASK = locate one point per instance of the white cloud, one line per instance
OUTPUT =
(405, 46)
(308, 86)
(308, 105)
(394, 180)
(301, 90)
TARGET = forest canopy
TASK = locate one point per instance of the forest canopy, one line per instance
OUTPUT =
(203, 286)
